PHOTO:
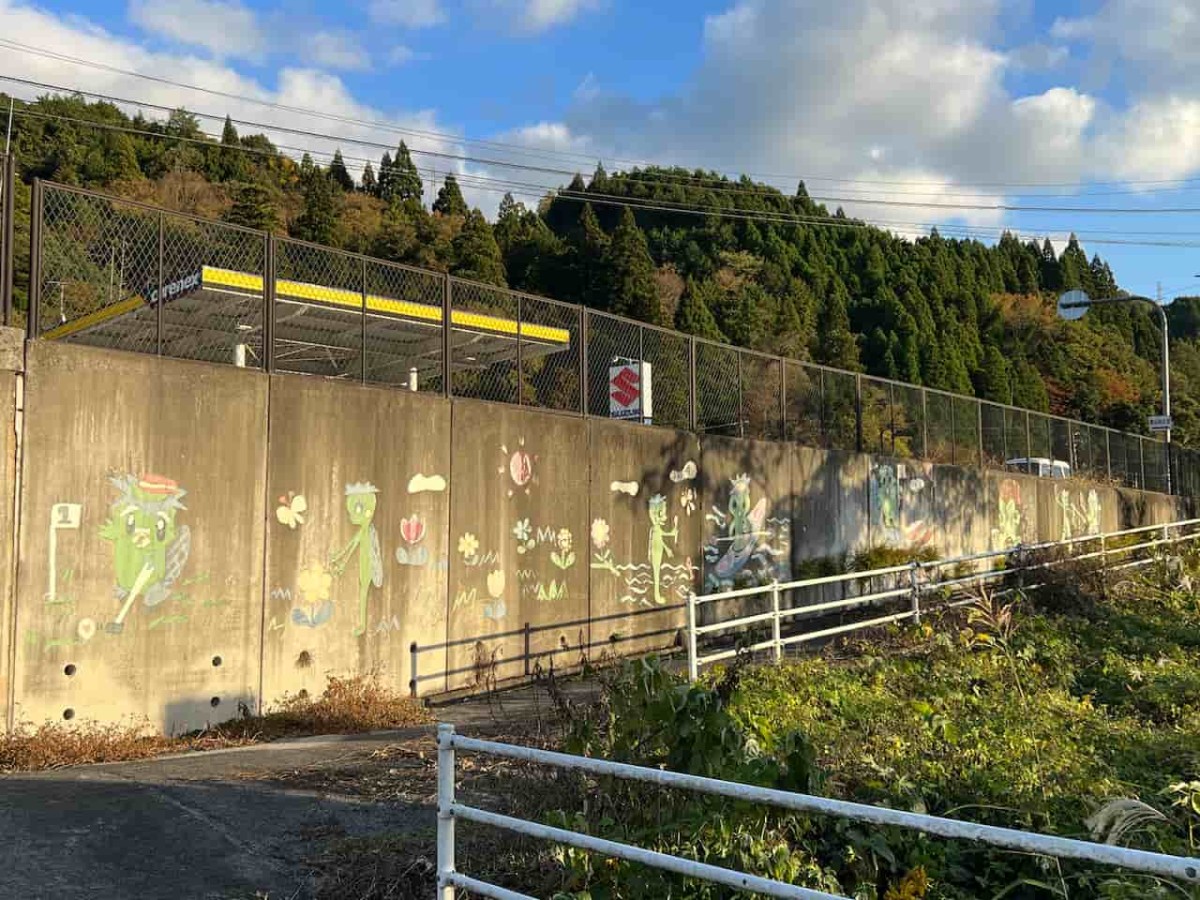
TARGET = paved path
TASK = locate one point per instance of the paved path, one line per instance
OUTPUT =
(217, 826)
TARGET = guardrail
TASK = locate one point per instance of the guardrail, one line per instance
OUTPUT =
(911, 581)
(1180, 868)
(524, 663)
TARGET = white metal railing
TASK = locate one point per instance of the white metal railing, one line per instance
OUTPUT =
(922, 579)
(1180, 868)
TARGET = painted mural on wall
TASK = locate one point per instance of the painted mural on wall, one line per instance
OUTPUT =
(1079, 512)
(661, 578)
(1011, 516)
(899, 502)
(749, 547)
(150, 549)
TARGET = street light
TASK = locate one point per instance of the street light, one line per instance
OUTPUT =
(1073, 304)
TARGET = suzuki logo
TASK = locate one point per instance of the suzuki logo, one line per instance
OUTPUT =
(625, 386)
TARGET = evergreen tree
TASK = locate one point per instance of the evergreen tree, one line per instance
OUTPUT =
(408, 183)
(476, 254)
(630, 272)
(835, 343)
(993, 381)
(338, 173)
(252, 207)
(589, 250)
(386, 190)
(316, 221)
(230, 162)
(1049, 268)
(694, 315)
(1076, 272)
(369, 185)
(1028, 389)
(449, 200)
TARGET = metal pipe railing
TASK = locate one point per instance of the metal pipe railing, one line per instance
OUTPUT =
(1163, 865)
(916, 588)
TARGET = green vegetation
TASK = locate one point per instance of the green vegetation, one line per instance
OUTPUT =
(1073, 712)
(951, 314)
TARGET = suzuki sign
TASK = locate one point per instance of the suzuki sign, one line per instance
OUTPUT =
(629, 391)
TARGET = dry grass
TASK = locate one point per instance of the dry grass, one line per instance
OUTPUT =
(347, 706)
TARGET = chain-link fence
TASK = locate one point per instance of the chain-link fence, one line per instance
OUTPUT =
(120, 274)
(8, 216)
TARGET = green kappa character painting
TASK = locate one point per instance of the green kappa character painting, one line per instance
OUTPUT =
(361, 500)
(658, 542)
(149, 548)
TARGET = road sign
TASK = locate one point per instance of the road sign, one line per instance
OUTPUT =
(1161, 423)
(629, 391)
(1073, 304)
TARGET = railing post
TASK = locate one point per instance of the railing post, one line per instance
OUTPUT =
(528, 644)
(413, 681)
(445, 819)
(520, 359)
(914, 582)
(692, 661)
(776, 635)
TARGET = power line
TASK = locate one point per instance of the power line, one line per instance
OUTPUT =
(488, 183)
(552, 154)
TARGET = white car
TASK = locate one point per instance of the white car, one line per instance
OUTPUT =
(1040, 466)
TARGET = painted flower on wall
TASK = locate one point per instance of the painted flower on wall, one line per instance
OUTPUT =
(563, 556)
(315, 582)
(523, 532)
(468, 545)
(291, 510)
(495, 584)
(600, 534)
(688, 500)
(412, 529)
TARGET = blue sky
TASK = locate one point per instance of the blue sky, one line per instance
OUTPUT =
(934, 105)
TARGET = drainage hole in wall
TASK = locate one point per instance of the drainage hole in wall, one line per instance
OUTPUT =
(303, 695)
(215, 701)
(68, 714)
(69, 670)
(216, 661)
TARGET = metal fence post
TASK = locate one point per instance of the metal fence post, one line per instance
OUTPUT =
(693, 406)
(741, 411)
(445, 818)
(858, 413)
(447, 318)
(914, 582)
(413, 653)
(269, 278)
(33, 320)
(1108, 453)
(362, 347)
(776, 630)
(783, 429)
(693, 663)
(8, 186)
(158, 297)
(925, 422)
(585, 376)
(520, 361)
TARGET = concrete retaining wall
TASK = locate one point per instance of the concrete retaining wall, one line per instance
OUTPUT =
(195, 539)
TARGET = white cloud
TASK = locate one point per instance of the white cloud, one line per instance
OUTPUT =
(1157, 139)
(336, 50)
(226, 28)
(533, 16)
(1156, 38)
(407, 13)
(1039, 57)
(402, 54)
(308, 89)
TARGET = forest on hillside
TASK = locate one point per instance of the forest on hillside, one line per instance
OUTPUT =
(756, 267)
